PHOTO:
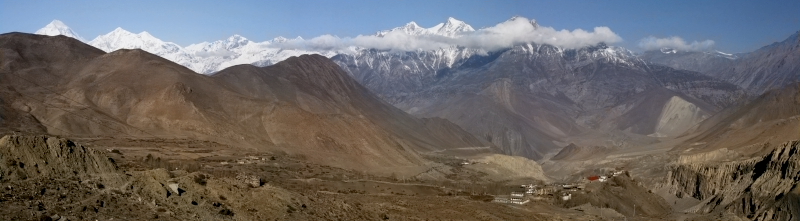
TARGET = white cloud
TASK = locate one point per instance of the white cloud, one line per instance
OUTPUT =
(674, 42)
(504, 35)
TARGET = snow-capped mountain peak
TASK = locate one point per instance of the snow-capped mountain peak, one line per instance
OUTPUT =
(236, 41)
(148, 37)
(121, 38)
(57, 27)
(209, 57)
(119, 31)
(532, 21)
(237, 37)
(454, 21)
(279, 39)
(231, 43)
(412, 25)
(411, 28)
(451, 28)
(118, 34)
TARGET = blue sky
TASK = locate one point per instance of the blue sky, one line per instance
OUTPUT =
(734, 26)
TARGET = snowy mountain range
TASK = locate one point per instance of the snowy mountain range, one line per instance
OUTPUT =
(451, 28)
(205, 57)
(209, 57)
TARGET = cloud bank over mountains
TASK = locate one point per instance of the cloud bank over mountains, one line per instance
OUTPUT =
(451, 37)
(515, 31)
(674, 42)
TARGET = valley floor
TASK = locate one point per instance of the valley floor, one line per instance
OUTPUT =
(196, 180)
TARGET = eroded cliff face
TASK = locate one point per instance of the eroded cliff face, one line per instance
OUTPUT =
(760, 188)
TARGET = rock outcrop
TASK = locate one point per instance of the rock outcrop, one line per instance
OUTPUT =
(23, 157)
(760, 188)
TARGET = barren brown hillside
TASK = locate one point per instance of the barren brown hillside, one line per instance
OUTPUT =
(770, 119)
(305, 105)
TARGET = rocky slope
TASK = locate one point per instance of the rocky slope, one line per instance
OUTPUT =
(761, 188)
(574, 152)
(705, 62)
(305, 105)
(386, 72)
(51, 178)
(677, 116)
(504, 167)
(25, 157)
(622, 194)
(532, 95)
(770, 67)
(770, 118)
(743, 160)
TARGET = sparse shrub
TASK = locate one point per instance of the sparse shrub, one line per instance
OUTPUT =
(44, 217)
(226, 212)
(191, 166)
(151, 162)
(200, 179)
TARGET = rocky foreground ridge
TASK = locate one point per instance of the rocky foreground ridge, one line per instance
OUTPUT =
(760, 188)
(52, 178)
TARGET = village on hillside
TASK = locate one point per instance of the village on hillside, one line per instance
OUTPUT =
(555, 192)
